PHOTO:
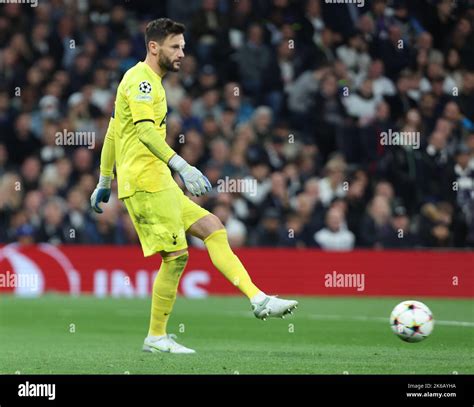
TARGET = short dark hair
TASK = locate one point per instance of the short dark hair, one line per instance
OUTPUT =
(157, 30)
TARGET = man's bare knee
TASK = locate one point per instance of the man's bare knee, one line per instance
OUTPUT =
(214, 223)
(205, 226)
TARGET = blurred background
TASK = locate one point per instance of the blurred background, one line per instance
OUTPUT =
(290, 94)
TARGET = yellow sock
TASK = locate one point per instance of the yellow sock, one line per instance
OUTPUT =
(228, 263)
(164, 292)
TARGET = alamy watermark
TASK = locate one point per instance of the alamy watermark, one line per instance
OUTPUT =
(37, 390)
(75, 138)
(359, 3)
(32, 3)
(344, 280)
(232, 185)
(400, 138)
(23, 280)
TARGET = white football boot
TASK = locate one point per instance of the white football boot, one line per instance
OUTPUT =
(165, 343)
(271, 306)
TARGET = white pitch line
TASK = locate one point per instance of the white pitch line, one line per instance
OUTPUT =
(382, 319)
(320, 317)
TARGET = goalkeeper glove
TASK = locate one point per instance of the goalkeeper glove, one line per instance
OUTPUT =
(101, 193)
(193, 179)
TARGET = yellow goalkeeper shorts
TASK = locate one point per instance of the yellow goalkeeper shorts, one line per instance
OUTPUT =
(162, 218)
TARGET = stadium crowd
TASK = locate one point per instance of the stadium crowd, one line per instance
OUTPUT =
(290, 95)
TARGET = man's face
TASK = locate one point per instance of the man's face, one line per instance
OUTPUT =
(170, 53)
(334, 220)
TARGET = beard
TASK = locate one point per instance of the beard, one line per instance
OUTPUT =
(166, 64)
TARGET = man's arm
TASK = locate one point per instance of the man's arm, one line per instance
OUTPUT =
(107, 156)
(107, 160)
(193, 179)
(149, 136)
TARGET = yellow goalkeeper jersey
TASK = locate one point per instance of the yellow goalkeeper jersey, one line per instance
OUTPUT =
(140, 97)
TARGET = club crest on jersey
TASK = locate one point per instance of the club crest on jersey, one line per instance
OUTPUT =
(144, 87)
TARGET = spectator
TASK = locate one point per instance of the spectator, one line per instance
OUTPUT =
(220, 156)
(435, 224)
(328, 117)
(427, 109)
(437, 169)
(311, 212)
(393, 51)
(206, 28)
(233, 99)
(354, 55)
(335, 236)
(439, 22)
(25, 234)
(362, 104)
(464, 187)
(259, 172)
(262, 123)
(243, 13)
(399, 235)
(268, 231)
(30, 172)
(207, 105)
(236, 230)
(332, 185)
(54, 228)
(174, 90)
(369, 151)
(306, 85)
(207, 80)
(22, 142)
(401, 102)
(292, 234)
(188, 119)
(101, 95)
(77, 211)
(312, 24)
(33, 203)
(381, 85)
(356, 201)
(107, 228)
(466, 97)
(188, 74)
(278, 197)
(375, 224)
(280, 75)
(253, 59)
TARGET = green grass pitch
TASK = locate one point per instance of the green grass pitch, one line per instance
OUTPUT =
(60, 334)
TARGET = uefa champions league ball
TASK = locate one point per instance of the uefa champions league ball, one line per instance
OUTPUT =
(412, 321)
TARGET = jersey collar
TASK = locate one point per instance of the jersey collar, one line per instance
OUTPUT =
(148, 67)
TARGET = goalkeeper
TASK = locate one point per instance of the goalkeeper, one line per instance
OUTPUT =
(161, 213)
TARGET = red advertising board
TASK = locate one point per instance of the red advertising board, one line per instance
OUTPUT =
(123, 271)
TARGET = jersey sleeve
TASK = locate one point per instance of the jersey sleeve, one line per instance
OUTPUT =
(140, 95)
(107, 157)
(150, 137)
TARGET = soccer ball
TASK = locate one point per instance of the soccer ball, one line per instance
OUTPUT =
(411, 321)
